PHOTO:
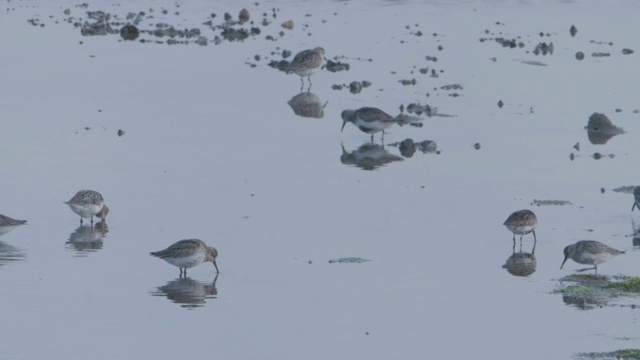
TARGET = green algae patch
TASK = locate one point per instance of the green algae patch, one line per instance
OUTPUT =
(631, 285)
(626, 354)
(592, 291)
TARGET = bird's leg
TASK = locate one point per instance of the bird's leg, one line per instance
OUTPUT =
(514, 242)
(521, 240)
(80, 220)
(91, 219)
(534, 238)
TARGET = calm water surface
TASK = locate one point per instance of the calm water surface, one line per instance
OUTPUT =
(217, 145)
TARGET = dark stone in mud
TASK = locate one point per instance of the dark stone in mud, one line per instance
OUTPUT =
(408, 82)
(407, 148)
(597, 156)
(627, 51)
(431, 58)
(336, 87)
(477, 146)
(355, 87)
(420, 109)
(427, 146)
(573, 30)
(600, 129)
(120, 132)
(286, 54)
(544, 49)
(129, 32)
(507, 43)
(500, 104)
(451, 87)
(244, 16)
(99, 27)
(227, 16)
(282, 65)
(600, 54)
(232, 34)
(334, 66)
(579, 55)
(287, 25)
(366, 84)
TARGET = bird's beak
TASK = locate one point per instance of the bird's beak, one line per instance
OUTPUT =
(343, 124)
(565, 260)
(216, 265)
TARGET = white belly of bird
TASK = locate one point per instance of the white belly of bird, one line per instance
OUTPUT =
(187, 261)
(590, 258)
(520, 230)
(85, 211)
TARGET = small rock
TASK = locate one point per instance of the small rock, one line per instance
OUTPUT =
(477, 146)
(579, 55)
(355, 87)
(627, 51)
(227, 16)
(120, 132)
(577, 146)
(288, 24)
(597, 156)
(602, 190)
(129, 32)
(286, 54)
(500, 104)
(366, 84)
(573, 30)
(572, 157)
(244, 16)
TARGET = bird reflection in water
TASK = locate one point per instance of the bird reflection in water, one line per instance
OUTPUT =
(368, 157)
(86, 239)
(636, 233)
(521, 263)
(187, 292)
(10, 254)
(307, 104)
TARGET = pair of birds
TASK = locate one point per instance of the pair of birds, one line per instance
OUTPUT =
(587, 252)
(86, 203)
(184, 254)
(368, 119)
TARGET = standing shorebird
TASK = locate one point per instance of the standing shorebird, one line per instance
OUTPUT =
(369, 120)
(187, 254)
(589, 252)
(7, 224)
(88, 203)
(520, 223)
(306, 63)
(636, 198)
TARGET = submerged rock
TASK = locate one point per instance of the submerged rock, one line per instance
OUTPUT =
(335, 66)
(129, 32)
(600, 129)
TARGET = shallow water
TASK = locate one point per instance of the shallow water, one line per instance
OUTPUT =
(213, 149)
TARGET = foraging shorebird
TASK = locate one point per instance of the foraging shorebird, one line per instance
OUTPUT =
(88, 203)
(187, 254)
(589, 252)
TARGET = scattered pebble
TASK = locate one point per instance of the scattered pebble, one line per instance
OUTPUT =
(477, 146)
(577, 146)
(120, 132)
(129, 32)
(627, 51)
(573, 30)
(348, 260)
(355, 87)
(579, 55)
(288, 25)
(244, 16)
(500, 104)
